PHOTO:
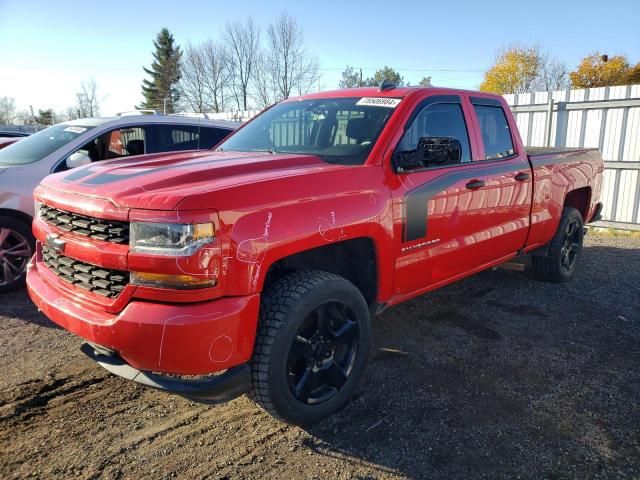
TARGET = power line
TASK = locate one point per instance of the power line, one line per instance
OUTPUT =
(410, 69)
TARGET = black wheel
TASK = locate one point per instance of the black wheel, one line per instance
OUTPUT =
(564, 250)
(312, 346)
(16, 247)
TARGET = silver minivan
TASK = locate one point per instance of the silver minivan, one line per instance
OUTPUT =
(72, 144)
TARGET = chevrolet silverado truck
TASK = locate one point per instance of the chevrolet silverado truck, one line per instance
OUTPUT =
(256, 267)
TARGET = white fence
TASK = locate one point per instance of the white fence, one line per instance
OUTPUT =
(606, 118)
(239, 116)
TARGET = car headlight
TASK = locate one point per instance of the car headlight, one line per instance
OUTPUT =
(169, 238)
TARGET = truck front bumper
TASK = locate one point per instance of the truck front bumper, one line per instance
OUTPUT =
(156, 338)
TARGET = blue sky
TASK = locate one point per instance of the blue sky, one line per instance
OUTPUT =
(48, 48)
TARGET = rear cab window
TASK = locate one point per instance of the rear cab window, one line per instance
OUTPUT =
(494, 128)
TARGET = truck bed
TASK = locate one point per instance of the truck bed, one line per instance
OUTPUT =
(541, 151)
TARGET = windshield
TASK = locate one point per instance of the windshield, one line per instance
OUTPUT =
(338, 130)
(37, 146)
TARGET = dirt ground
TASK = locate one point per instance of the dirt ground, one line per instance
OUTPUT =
(497, 376)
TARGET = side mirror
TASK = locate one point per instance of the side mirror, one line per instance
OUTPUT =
(78, 159)
(430, 152)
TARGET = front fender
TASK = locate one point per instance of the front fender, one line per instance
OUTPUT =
(261, 238)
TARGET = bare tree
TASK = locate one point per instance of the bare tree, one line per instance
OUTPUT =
(192, 82)
(293, 70)
(87, 103)
(242, 40)
(25, 117)
(554, 74)
(205, 76)
(7, 110)
(264, 85)
(216, 64)
(71, 113)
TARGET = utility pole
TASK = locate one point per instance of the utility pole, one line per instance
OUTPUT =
(360, 78)
(164, 105)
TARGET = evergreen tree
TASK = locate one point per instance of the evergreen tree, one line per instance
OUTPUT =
(386, 73)
(164, 73)
(45, 117)
(351, 78)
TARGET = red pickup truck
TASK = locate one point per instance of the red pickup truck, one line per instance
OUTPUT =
(256, 267)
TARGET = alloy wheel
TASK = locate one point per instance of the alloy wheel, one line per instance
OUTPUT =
(15, 253)
(323, 353)
(570, 245)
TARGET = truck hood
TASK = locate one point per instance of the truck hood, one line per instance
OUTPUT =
(161, 182)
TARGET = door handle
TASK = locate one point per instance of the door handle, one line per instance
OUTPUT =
(475, 184)
(522, 176)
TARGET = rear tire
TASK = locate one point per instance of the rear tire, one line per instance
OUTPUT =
(564, 250)
(312, 346)
(16, 248)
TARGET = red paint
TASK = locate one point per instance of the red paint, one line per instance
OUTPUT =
(269, 206)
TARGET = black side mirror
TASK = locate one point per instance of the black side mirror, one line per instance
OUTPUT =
(430, 152)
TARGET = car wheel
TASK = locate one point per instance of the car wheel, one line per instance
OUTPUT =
(16, 247)
(564, 250)
(312, 346)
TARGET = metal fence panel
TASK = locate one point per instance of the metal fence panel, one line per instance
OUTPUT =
(607, 118)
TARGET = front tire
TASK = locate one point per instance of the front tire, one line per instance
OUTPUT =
(312, 346)
(16, 248)
(564, 250)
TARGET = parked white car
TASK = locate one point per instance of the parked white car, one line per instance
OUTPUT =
(72, 144)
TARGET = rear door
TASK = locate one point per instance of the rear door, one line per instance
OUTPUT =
(455, 217)
(508, 181)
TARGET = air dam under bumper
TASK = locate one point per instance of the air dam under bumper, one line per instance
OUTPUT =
(216, 389)
(178, 339)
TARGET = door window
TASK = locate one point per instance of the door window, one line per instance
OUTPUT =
(496, 135)
(118, 143)
(442, 120)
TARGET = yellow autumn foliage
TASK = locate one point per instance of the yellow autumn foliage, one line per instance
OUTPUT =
(515, 71)
(595, 71)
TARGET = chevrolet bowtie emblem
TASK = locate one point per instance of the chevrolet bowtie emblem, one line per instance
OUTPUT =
(53, 241)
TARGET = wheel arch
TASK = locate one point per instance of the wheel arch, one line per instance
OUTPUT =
(580, 199)
(17, 214)
(355, 259)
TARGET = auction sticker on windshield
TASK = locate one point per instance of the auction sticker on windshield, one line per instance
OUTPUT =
(379, 102)
(75, 129)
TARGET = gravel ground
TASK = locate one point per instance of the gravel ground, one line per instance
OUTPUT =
(497, 376)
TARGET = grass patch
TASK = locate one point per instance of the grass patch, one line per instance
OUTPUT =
(613, 232)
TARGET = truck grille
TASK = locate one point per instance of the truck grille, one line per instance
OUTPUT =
(107, 230)
(103, 281)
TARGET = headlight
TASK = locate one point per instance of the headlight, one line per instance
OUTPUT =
(169, 239)
(36, 206)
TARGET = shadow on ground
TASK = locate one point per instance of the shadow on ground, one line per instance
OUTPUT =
(500, 375)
